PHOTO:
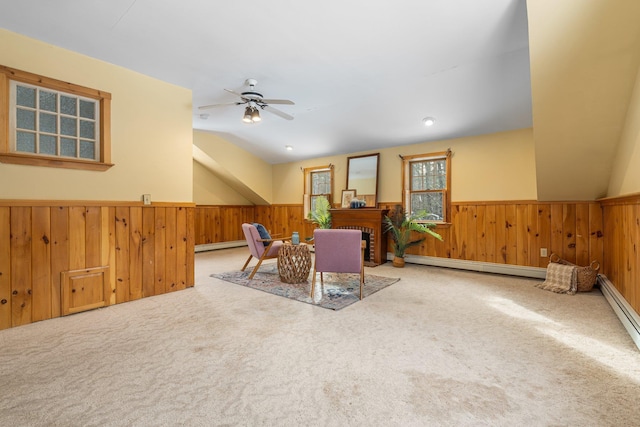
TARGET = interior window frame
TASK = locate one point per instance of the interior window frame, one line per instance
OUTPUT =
(9, 155)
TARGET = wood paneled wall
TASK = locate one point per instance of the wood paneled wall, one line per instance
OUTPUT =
(622, 246)
(149, 251)
(498, 232)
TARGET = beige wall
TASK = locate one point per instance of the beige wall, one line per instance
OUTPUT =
(247, 170)
(208, 189)
(625, 177)
(150, 127)
(498, 166)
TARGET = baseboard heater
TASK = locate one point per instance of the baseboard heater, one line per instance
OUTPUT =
(627, 315)
(485, 267)
(221, 245)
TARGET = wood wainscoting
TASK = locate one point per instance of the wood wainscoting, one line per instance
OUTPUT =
(622, 246)
(148, 250)
(505, 232)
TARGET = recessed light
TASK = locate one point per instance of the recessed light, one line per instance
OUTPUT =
(288, 148)
(428, 121)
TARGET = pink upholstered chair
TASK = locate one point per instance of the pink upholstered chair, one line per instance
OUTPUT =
(338, 251)
(257, 246)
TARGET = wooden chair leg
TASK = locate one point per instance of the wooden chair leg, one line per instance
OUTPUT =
(255, 269)
(246, 263)
(313, 281)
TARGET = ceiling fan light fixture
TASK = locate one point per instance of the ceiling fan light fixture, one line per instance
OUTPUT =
(428, 121)
(255, 115)
(247, 115)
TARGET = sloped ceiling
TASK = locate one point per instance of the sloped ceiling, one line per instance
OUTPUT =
(584, 61)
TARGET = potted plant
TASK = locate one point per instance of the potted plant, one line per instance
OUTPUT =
(320, 215)
(401, 225)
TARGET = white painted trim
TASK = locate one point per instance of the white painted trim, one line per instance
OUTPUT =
(485, 267)
(627, 315)
(220, 245)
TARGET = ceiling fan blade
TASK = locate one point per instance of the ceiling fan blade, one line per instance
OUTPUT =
(277, 101)
(235, 93)
(206, 107)
(278, 112)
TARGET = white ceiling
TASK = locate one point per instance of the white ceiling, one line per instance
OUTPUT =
(362, 74)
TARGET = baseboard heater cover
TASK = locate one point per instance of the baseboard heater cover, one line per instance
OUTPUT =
(627, 315)
(485, 267)
(221, 245)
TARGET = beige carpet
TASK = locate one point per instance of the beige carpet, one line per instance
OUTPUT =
(440, 347)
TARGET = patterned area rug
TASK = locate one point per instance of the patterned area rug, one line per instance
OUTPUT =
(339, 290)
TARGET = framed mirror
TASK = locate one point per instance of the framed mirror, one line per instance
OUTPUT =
(362, 176)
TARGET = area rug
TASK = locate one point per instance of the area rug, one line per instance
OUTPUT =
(339, 290)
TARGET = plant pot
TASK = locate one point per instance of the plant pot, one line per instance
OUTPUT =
(398, 261)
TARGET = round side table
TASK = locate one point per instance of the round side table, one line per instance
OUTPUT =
(294, 263)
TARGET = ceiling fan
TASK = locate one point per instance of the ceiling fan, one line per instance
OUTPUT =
(254, 100)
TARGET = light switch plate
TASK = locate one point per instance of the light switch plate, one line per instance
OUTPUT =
(146, 199)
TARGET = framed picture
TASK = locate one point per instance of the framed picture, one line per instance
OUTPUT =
(347, 196)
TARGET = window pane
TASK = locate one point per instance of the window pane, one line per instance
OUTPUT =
(428, 175)
(87, 150)
(26, 119)
(431, 203)
(48, 101)
(321, 182)
(68, 105)
(26, 96)
(48, 123)
(87, 109)
(68, 147)
(26, 142)
(68, 126)
(87, 129)
(48, 144)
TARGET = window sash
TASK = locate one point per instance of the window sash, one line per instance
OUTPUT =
(426, 185)
(60, 125)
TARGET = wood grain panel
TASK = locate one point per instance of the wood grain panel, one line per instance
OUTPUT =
(171, 258)
(569, 232)
(582, 234)
(181, 246)
(501, 234)
(135, 253)
(522, 234)
(122, 254)
(557, 235)
(544, 233)
(77, 237)
(20, 266)
(93, 237)
(511, 238)
(5, 268)
(148, 251)
(40, 263)
(40, 242)
(59, 254)
(490, 232)
(159, 246)
(190, 248)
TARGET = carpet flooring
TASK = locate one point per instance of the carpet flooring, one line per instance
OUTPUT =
(441, 347)
(337, 292)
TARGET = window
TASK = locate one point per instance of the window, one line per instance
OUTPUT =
(52, 123)
(427, 184)
(318, 182)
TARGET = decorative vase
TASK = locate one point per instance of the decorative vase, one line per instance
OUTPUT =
(398, 261)
(295, 238)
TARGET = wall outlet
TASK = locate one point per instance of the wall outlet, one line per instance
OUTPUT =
(543, 252)
(146, 199)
